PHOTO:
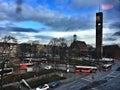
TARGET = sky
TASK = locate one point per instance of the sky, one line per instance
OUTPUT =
(43, 20)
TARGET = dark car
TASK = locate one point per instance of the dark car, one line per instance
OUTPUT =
(54, 84)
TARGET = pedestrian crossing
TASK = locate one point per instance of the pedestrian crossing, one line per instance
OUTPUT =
(86, 79)
(114, 74)
(111, 75)
(96, 77)
(89, 78)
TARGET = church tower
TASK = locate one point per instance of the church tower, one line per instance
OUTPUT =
(99, 33)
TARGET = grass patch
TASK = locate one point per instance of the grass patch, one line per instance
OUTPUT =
(10, 88)
(38, 82)
(18, 77)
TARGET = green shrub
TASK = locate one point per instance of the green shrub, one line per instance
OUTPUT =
(38, 82)
(18, 77)
(10, 88)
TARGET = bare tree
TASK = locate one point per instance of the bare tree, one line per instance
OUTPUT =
(63, 47)
(7, 46)
(32, 48)
(59, 47)
(54, 43)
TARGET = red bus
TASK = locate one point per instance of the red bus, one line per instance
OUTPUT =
(25, 65)
(86, 69)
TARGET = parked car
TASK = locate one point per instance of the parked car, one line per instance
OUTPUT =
(48, 67)
(44, 87)
(54, 84)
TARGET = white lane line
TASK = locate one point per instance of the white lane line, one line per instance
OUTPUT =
(87, 79)
(71, 87)
(94, 89)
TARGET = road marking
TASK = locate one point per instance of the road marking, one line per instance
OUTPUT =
(111, 76)
(94, 89)
(72, 87)
(86, 79)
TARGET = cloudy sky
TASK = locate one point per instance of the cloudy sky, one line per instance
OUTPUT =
(46, 19)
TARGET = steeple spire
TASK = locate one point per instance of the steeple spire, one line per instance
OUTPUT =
(74, 37)
(99, 7)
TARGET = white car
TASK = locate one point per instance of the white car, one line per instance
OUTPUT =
(48, 67)
(45, 87)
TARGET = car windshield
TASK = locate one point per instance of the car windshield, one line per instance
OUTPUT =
(44, 86)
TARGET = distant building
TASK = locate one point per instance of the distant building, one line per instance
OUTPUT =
(111, 51)
(28, 50)
(44, 50)
(9, 49)
(78, 48)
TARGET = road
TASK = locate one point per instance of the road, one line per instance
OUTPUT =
(83, 80)
(77, 81)
(112, 84)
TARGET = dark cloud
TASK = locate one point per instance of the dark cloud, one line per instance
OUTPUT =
(85, 3)
(82, 3)
(54, 19)
(66, 15)
(18, 29)
(116, 34)
(74, 22)
(112, 16)
(115, 25)
(110, 39)
(19, 2)
(19, 8)
(60, 4)
(1, 28)
(58, 20)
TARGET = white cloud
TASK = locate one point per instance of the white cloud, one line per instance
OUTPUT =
(61, 24)
(51, 18)
(88, 35)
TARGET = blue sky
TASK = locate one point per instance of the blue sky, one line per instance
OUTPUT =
(43, 20)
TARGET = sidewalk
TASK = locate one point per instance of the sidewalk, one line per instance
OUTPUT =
(70, 78)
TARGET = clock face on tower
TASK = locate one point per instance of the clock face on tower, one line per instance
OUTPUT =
(99, 24)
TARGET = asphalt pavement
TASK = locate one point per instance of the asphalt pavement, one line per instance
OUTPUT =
(77, 81)
(101, 80)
